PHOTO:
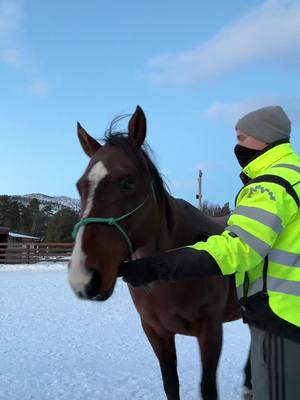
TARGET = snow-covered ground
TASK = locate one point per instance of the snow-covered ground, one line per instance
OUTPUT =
(55, 346)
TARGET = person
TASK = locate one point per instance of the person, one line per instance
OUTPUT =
(260, 245)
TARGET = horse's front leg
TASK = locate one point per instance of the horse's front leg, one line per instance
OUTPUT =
(165, 351)
(210, 343)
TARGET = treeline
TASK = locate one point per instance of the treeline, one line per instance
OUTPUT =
(215, 210)
(42, 221)
(36, 220)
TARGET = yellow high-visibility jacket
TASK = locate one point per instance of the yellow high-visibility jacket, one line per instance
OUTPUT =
(261, 243)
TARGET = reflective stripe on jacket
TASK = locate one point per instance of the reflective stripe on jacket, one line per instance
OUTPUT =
(265, 222)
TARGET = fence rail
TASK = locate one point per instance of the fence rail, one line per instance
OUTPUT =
(32, 252)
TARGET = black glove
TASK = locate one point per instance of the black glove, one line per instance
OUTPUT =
(141, 272)
(182, 264)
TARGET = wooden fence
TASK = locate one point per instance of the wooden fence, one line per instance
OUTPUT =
(33, 252)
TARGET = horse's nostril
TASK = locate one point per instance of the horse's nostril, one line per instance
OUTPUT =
(93, 288)
(80, 294)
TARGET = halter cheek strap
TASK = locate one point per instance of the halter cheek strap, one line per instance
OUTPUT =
(109, 221)
(114, 221)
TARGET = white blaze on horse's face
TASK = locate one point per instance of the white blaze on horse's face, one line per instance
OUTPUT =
(95, 176)
(79, 276)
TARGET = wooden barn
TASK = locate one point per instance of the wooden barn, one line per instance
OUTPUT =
(19, 238)
(11, 237)
(4, 233)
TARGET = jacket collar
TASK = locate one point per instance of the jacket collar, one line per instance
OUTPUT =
(266, 158)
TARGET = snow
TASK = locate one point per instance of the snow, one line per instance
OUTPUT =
(55, 346)
(19, 235)
(56, 202)
(60, 201)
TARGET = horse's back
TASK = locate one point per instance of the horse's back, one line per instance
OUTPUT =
(197, 226)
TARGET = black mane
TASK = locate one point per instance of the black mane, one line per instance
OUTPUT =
(141, 157)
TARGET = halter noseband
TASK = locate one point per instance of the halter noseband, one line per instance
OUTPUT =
(113, 221)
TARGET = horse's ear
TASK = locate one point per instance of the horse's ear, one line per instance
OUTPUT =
(137, 127)
(89, 144)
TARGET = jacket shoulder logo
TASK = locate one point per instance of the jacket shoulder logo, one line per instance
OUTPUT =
(259, 188)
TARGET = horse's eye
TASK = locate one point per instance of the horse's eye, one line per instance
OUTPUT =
(127, 185)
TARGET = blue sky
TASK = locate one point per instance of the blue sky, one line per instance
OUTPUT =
(194, 67)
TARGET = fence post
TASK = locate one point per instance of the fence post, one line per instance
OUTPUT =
(28, 253)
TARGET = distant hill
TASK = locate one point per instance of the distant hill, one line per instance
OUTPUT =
(55, 202)
(50, 218)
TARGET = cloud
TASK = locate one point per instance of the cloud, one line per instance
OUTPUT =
(10, 16)
(39, 88)
(11, 57)
(267, 33)
(10, 19)
(13, 53)
(231, 112)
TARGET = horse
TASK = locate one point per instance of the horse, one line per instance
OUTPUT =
(128, 213)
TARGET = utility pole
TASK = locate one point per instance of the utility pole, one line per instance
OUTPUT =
(199, 195)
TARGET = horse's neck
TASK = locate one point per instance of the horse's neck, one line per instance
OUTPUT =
(183, 224)
(160, 238)
(180, 224)
(189, 224)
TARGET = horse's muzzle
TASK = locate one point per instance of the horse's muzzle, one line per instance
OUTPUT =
(103, 296)
(93, 288)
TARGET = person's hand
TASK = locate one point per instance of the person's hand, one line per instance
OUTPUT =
(183, 264)
(140, 272)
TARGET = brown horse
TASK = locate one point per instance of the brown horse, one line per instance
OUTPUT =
(128, 213)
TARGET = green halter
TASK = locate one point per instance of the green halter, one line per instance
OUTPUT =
(113, 221)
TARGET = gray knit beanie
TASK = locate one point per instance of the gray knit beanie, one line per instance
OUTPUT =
(267, 124)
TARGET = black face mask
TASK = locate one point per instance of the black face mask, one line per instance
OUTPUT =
(244, 155)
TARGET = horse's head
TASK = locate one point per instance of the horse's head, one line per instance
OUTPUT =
(118, 208)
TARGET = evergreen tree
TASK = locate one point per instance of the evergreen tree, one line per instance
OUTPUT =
(4, 211)
(215, 210)
(35, 220)
(34, 212)
(60, 226)
(14, 215)
(9, 213)
(25, 221)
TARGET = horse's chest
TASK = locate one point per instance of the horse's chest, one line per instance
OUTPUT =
(171, 312)
(177, 323)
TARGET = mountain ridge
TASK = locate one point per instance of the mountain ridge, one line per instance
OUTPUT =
(56, 202)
